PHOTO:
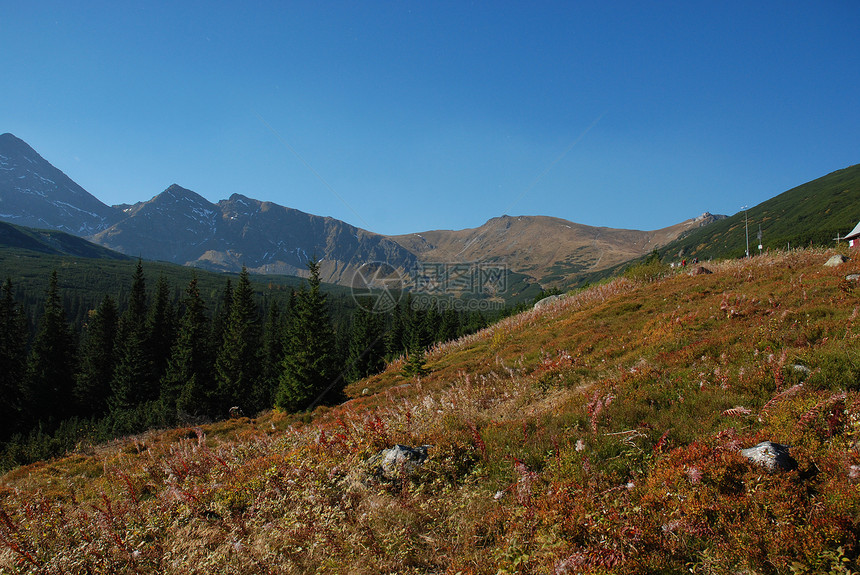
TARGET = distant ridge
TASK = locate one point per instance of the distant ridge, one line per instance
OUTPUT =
(553, 250)
(53, 242)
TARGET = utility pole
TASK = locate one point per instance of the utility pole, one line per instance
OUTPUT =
(746, 229)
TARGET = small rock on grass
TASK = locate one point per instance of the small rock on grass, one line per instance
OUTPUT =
(772, 456)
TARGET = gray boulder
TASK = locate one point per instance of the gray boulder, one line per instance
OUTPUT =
(699, 271)
(836, 260)
(549, 300)
(772, 456)
(399, 461)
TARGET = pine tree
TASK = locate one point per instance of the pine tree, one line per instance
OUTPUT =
(135, 314)
(222, 313)
(308, 368)
(50, 378)
(187, 385)
(415, 362)
(237, 367)
(449, 327)
(132, 382)
(394, 347)
(97, 360)
(430, 322)
(160, 331)
(13, 356)
(417, 331)
(366, 344)
(474, 322)
(272, 356)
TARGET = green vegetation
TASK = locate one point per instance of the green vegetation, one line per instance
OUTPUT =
(812, 214)
(597, 434)
(308, 367)
(649, 269)
(53, 242)
(86, 359)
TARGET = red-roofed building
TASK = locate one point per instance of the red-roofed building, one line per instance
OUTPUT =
(854, 238)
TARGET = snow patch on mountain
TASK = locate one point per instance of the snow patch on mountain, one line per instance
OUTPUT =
(204, 214)
(76, 208)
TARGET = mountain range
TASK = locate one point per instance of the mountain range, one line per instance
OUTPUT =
(181, 226)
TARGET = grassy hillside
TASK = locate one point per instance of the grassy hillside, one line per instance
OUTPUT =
(597, 434)
(812, 213)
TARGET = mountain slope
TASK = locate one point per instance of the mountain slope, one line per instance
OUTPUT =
(598, 434)
(36, 194)
(182, 227)
(552, 250)
(53, 242)
(173, 226)
(814, 212)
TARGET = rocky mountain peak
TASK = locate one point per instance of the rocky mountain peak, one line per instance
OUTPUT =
(36, 194)
(177, 193)
(9, 143)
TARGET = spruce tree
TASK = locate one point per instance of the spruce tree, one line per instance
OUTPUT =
(50, 377)
(415, 362)
(272, 356)
(308, 369)
(222, 313)
(394, 347)
(132, 382)
(366, 344)
(449, 327)
(238, 366)
(430, 321)
(160, 331)
(13, 360)
(188, 382)
(97, 360)
(416, 329)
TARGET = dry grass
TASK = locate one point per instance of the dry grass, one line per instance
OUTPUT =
(596, 435)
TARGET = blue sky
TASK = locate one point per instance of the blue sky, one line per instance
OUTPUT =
(414, 115)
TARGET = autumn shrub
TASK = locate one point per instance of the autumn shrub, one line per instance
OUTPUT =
(599, 435)
(650, 269)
